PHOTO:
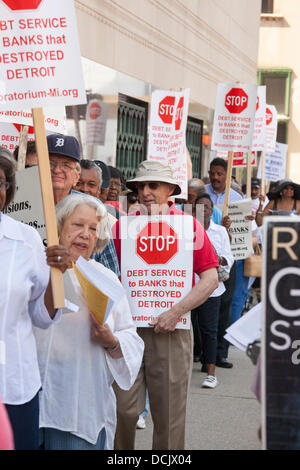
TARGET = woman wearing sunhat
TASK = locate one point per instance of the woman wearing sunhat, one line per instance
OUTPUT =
(284, 200)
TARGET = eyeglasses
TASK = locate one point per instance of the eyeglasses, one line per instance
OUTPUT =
(4, 185)
(152, 185)
(115, 183)
(64, 166)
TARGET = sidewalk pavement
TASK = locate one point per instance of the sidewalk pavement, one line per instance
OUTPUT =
(225, 418)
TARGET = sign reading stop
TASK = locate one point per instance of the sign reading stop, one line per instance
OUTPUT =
(269, 116)
(95, 110)
(236, 100)
(166, 109)
(157, 243)
(22, 4)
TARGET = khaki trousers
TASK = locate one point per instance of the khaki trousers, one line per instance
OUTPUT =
(165, 372)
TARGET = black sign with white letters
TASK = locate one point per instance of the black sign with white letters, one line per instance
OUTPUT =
(281, 334)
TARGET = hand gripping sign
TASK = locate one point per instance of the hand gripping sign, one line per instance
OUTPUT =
(156, 264)
(38, 43)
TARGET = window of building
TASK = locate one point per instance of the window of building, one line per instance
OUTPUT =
(267, 6)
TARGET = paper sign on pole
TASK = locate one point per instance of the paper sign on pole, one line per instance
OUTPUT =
(271, 128)
(275, 163)
(167, 143)
(281, 334)
(10, 135)
(259, 131)
(40, 57)
(234, 117)
(239, 158)
(96, 118)
(156, 264)
(55, 118)
(27, 206)
(240, 228)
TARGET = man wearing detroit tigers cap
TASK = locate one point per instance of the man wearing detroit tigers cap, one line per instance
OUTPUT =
(167, 362)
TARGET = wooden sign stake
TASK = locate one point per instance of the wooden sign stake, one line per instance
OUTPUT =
(22, 148)
(249, 171)
(228, 183)
(48, 201)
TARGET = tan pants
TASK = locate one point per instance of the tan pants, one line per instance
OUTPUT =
(165, 372)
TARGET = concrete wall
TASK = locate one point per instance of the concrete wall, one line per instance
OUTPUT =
(174, 43)
(279, 40)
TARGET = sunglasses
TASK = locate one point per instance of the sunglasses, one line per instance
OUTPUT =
(152, 185)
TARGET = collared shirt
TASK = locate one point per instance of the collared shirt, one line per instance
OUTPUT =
(24, 278)
(108, 256)
(220, 241)
(218, 198)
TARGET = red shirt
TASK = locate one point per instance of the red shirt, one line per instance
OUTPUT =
(204, 255)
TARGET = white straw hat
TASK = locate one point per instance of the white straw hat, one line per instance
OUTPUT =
(150, 170)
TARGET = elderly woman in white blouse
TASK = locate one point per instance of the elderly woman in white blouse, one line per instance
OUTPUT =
(80, 359)
(25, 300)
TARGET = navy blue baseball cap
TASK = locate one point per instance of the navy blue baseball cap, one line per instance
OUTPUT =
(64, 145)
(105, 173)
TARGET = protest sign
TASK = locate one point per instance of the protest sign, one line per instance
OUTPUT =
(156, 264)
(96, 118)
(239, 158)
(40, 57)
(240, 228)
(167, 143)
(271, 128)
(234, 117)
(10, 135)
(55, 118)
(27, 206)
(281, 334)
(259, 131)
(275, 163)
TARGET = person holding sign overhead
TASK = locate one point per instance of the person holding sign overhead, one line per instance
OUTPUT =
(167, 363)
(26, 300)
(80, 359)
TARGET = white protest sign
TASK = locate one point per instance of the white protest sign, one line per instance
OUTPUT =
(55, 118)
(96, 118)
(234, 117)
(275, 163)
(271, 128)
(259, 131)
(240, 228)
(27, 206)
(239, 158)
(167, 143)
(10, 135)
(40, 57)
(156, 264)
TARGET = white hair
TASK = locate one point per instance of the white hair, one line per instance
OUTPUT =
(67, 206)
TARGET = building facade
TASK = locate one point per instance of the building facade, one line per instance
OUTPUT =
(279, 69)
(131, 47)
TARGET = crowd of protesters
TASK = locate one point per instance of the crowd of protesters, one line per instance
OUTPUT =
(66, 382)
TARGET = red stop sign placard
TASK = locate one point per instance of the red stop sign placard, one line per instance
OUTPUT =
(179, 114)
(95, 111)
(157, 243)
(269, 116)
(30, 128)
(22, 4)
(166, 109)
(236, 100)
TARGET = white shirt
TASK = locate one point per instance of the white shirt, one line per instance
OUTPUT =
(77, 373)
(24, 277)
(219, 239)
